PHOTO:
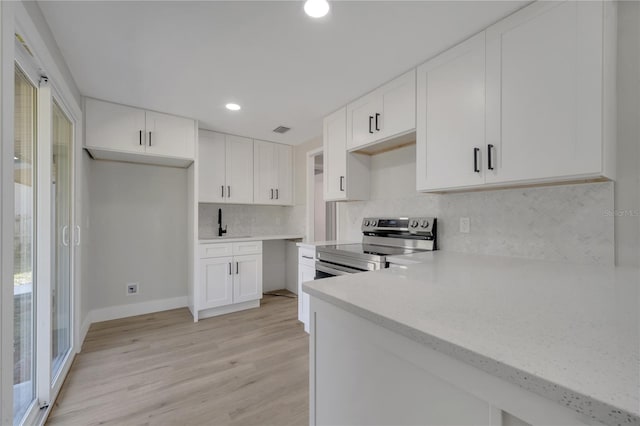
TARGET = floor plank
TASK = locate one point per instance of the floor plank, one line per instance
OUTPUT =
(240, 369)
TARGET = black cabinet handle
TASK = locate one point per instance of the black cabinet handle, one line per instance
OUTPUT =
(377, 116)
(476, 151)
(271, 198)
(236, 268)
(277, 195)
(222, 187)
(342, 183)
(149, 138)
(228, 192)
(140, 137)
(229, 268)
(490, 156)
(370, 122)
(308, 257)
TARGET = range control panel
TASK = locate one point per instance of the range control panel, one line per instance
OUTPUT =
(413, 225)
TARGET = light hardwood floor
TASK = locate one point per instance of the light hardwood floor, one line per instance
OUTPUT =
(245, 368)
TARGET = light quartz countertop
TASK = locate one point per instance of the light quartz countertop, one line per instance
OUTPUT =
(322, 243)
(568, 332)
(232, 239)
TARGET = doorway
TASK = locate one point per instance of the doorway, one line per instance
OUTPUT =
(321, 214)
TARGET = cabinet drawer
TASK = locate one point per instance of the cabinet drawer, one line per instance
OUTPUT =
(247, 247)
(306, 257)
(215, 250)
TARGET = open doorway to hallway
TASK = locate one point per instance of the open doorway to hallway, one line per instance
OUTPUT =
(321, 215)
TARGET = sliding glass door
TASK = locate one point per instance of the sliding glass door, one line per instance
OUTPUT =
(24, 246)
(43, 244)
(61, 207)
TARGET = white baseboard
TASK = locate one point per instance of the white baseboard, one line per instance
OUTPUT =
(130, 310)
(84, 329)
(222, 310)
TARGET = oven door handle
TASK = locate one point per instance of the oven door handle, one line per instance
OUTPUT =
(335, 269)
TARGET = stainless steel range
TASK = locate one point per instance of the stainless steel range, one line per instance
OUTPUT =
(382, 237)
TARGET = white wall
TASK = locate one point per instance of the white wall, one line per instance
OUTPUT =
(556, 223)
(320, 216)
(138, 226)
(627, 192)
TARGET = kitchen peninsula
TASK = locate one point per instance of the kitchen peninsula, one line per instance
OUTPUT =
(471, 339)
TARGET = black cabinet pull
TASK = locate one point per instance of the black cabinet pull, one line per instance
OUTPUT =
(228, 192)
(342, 183)
(149, 138)
(308, 257)
(222, 187)
(229, 268)
(271, 198)
(370, 123)
(141, 137)
(490, 156)
(277, 195)
(476, 151)
(236, 268)
(377, 116)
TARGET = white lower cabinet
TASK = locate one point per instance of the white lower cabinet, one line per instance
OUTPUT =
(230, 277)
(306, 272)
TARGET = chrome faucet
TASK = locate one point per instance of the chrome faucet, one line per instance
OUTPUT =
(221, 231)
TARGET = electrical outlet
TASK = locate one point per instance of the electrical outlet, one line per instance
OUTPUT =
(132, 289)
(464, 225)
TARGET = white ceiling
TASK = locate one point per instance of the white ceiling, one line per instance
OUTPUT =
(284, 68)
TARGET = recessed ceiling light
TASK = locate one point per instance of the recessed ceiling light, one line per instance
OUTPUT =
(15, 158)
(316, 8)
(233, 107)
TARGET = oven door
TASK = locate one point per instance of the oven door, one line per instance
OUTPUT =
(328, 270)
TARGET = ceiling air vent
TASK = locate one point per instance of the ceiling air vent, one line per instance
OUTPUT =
(281, 129)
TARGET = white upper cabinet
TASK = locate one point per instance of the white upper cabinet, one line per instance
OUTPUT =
(451, 117)
(225, 168)
(385, 113)
(530, 100)
(115, 127)
(273, 173)
(239, 165)
(346, 175)
(545, 84)
(170, 135)
(211, 167)
(123, 133)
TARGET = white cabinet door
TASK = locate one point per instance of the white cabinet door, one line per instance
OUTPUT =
(169, 135)
(450, 135)
(211, 167)
(247, 279)
(362, 117)
(398, 114)
(265, 173)
(114, 127)
(239, 169)
(384, 113)
(335, 155)
(216, 279)
(284, 174)
(544, 92)
(305, 273)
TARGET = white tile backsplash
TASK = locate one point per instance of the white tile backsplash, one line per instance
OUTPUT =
(248, 220)
(562, 223)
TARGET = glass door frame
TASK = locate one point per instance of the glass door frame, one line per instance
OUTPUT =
(16, 19)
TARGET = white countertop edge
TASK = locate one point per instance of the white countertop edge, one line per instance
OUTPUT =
(251, 238)
(562, 395)
(324, 243)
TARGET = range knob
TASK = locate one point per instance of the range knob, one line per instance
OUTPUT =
(374, 223)
(366, 223)
(424, 223)
(414, 223)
